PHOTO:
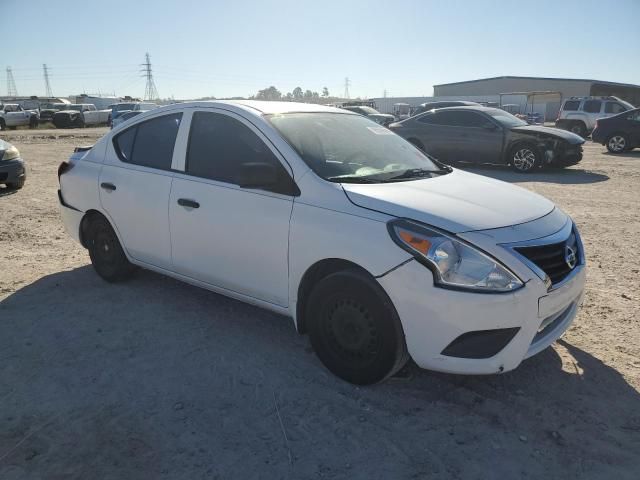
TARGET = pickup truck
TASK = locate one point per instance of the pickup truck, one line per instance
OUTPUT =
(13, 115)
(80, 115)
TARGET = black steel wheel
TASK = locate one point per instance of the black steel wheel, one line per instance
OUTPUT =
(354, 328)
(105, 251)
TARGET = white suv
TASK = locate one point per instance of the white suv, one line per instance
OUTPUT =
(370, 246)
(579, 114)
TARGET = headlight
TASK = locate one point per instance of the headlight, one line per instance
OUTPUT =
(454, 263)
(11, 153)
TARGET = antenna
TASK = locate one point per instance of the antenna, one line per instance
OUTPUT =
(12, 91)
(347, 82)
(47, 85)
(150, 92)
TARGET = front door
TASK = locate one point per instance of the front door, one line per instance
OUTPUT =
(222, 234)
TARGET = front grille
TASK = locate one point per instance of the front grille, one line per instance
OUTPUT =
(552, 258)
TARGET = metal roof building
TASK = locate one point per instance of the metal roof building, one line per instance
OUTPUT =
(568, 87)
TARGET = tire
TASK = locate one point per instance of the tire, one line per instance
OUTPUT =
(3, 126)
(416, 143)
(79, 122)
(578, 128)
(617, 143)
(524, 158)
(105, 251)
(33, 122)
(354, 328)
(16, 185)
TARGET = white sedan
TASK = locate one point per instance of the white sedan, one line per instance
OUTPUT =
(374, 249)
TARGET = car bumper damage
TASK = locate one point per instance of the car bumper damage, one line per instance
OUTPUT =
(484, 333)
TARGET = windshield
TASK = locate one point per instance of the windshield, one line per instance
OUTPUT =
(352, 149)
(123, 106)
(505, 118)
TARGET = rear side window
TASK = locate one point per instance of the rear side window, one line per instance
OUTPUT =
(219, 145)
(149, 143)
(452, 118)
(592, 106)
(613, 107)
(571, 105)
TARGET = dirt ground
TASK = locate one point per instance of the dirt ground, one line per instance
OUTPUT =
(157, 379)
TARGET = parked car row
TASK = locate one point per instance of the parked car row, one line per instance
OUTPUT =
(580, 114)
(322, 215)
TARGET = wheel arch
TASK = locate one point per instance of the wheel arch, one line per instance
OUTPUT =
(312, 276)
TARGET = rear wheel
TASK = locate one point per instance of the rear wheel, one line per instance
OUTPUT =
(3, 126)
(524, 158)
(105, 251)
(354, 328)
(578, 128)
(617, 143)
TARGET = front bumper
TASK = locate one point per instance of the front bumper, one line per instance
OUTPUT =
(432, 318)
(483, 333)
(12, 171)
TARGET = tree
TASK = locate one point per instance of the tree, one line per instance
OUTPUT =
(325, 92)
(289, 97)
(297, 93)
(271, 93)
(308, 95)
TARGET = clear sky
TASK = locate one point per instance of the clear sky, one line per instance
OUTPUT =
(235, 47)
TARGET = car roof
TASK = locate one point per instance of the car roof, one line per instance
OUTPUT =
(259, 107)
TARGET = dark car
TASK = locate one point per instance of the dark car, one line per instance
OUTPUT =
(372, 113)
(425, 107)
(12, 170)
(619, 133)
(48, 110)
(489, 135)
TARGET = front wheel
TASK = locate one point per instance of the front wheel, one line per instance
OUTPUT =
(617, 143)
(105, 251)
(354, 328)
(524, 158)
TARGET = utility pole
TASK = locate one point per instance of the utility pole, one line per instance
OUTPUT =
(12, 91)
(47, 85)
(384, 93)
(150, 92)
(347, 83)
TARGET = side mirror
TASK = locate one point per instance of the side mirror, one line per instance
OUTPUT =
(257, 175)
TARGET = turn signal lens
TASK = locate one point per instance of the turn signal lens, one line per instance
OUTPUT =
(415, 241)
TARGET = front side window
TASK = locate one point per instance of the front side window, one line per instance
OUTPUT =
(149, 143)
(219, 145)
(352, 149)
(592, 106)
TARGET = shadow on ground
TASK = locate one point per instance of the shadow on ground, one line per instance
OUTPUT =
(573, 175)
(157, 379)
(629, 154)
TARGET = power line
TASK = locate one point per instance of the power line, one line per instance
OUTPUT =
(347, 83)
(12, 91)
(150, 92)
(47, 85)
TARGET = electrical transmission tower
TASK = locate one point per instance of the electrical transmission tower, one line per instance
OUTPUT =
(150, 92)
(347, 83)
(47, 85)
(12, 91)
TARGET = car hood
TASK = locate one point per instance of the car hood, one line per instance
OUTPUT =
(456, 202)
(550, 131)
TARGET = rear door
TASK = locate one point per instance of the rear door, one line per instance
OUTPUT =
(477, 139)
(221, 233)
(135, 183)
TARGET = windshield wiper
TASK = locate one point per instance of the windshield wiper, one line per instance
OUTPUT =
(352, 179)
(419, 172)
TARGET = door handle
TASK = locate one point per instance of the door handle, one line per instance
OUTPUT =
(108, 186)
(185, 202)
